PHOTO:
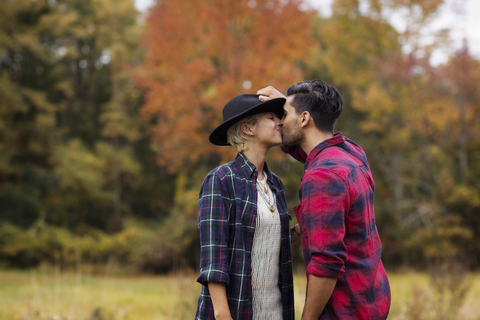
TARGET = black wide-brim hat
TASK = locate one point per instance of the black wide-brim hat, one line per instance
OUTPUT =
(240, 107)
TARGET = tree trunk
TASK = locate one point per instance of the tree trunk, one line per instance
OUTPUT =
(116, 224)
(463, 162)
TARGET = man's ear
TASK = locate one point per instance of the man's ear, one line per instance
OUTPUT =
(305, 118)
(246, 129)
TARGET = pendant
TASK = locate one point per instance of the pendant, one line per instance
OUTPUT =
(272, 208)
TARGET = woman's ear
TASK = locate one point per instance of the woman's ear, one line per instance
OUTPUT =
(246, 129)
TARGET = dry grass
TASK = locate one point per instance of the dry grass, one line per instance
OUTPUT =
(45, 294)
(50, 294)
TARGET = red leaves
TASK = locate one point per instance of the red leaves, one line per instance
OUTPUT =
(199, 54)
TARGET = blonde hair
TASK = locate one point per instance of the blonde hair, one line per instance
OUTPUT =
(239, 139)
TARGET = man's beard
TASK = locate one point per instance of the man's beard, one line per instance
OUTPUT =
(292, 137)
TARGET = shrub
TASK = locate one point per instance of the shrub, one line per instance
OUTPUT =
(145, 248)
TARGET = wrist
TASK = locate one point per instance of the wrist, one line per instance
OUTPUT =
(223, 314)
(294, 229)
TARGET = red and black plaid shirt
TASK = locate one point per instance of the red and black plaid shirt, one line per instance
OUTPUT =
(338, 231)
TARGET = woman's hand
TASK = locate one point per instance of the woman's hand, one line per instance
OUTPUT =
(269, 93)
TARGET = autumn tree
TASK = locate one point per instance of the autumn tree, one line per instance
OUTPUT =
(27, 116)
(200, 54)
(397, 106)
(69, 125)
(419, 112)
(452, 124)
(97, 47)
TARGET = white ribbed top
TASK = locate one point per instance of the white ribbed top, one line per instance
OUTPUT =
(267, 304)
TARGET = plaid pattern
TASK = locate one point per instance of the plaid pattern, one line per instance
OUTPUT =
(228, 208)
(338, 232)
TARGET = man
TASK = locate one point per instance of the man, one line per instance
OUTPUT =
(341, 246)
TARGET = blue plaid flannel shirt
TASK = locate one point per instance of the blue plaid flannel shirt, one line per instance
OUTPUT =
(228, 208)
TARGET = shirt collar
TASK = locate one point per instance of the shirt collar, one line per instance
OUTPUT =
(249, 168)
(337, 138)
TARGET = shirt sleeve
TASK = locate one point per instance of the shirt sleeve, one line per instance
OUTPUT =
(213, 224)
(325, 204)
(296, 152)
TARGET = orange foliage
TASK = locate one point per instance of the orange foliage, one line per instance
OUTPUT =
(200, 54)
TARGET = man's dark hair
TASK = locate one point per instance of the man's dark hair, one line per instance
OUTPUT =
(320, 99)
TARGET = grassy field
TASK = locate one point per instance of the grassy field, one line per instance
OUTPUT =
(50, 294)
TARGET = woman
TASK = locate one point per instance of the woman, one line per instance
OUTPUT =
(245, 267)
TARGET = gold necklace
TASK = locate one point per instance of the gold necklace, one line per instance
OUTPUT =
(263, 185)
(270, 206)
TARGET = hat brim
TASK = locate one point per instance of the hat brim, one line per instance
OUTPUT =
(219, 134)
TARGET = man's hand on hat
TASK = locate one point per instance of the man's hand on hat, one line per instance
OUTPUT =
(269, 93)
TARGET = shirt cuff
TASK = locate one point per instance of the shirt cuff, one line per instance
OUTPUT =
(214, 273)
(323, 270)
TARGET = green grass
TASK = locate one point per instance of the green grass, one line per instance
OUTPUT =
(44, 294)
(49, 294)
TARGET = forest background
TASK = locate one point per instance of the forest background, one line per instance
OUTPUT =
(105, 116)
